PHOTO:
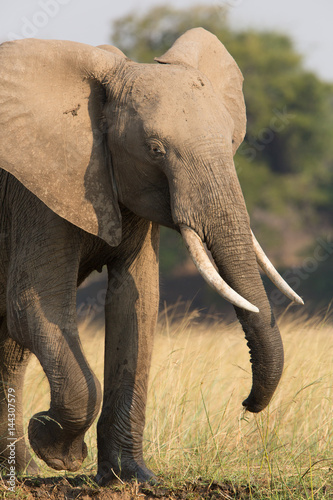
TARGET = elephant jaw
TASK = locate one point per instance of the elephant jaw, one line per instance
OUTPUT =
(202, 262)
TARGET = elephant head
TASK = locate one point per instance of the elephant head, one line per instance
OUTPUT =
(87, 130)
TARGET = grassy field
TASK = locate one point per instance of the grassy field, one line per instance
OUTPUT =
(197, 432)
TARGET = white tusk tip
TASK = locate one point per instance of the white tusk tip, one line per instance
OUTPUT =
(253, 309)
(272, 273)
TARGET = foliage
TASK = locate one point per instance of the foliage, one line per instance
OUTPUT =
(144, 37)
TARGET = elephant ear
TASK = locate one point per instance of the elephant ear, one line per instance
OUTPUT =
(202, 50)
(52, 130)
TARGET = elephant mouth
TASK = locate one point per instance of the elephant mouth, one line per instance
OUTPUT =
(205, 267)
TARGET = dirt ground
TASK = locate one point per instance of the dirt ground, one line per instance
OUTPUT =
(83, 488)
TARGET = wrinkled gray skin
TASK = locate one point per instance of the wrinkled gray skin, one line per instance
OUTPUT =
(168, 134)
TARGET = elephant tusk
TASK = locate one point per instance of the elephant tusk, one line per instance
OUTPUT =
(272, 273)
(206, 269)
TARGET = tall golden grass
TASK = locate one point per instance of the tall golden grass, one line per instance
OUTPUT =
(195, 423)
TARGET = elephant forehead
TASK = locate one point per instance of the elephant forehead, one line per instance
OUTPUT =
(178, 96)
(170, 85)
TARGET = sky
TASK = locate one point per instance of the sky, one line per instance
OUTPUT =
(308, 22)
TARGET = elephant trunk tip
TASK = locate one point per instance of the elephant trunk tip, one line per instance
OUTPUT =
(252, 406)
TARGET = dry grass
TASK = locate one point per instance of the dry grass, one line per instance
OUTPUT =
(195, 423)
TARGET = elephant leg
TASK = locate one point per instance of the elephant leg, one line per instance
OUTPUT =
(41, 300)
(57, 435)
(131, 313)
(13, 362)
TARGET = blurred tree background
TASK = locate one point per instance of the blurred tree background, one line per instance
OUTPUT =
(285, 164)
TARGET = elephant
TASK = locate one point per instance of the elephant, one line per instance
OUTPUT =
(98, 151)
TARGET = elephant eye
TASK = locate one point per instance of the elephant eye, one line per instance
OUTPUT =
(156, 149)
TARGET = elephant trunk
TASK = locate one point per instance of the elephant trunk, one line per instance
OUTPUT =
(237, 265)
(226, 231)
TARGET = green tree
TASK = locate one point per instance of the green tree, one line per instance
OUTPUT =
(143, 37)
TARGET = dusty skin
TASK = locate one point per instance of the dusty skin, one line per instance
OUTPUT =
(97, 151)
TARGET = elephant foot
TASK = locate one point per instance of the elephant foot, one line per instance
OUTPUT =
(56, 446)
(129, 471)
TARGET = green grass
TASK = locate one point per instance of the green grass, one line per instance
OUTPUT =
(196, 430)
